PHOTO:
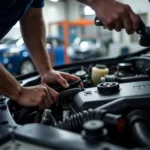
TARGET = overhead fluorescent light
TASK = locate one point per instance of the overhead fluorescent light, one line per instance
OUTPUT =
(88, 11)
(54, 0)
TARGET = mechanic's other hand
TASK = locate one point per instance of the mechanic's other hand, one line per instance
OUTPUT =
(62, 78)
(40, 95)
(114, 15)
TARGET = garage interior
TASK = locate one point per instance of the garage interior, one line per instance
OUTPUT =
(70, 21)
(105, 105)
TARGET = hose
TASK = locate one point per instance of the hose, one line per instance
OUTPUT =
(117, 106)
(114, 78)
(138, 125)
(141, 134)
(76, 121)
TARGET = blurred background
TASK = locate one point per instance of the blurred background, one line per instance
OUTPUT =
(71, 36)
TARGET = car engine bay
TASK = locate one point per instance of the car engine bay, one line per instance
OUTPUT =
(108, 109)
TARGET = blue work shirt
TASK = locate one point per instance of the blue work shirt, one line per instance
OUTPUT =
(12, 11)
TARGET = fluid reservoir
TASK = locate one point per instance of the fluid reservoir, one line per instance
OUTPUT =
(97, 72)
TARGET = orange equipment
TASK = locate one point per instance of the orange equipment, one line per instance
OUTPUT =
(66, 26)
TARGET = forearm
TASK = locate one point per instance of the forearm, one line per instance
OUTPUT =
(34, 34)
(8, 85)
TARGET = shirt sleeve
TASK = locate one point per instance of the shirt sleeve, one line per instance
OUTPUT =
(37, 3)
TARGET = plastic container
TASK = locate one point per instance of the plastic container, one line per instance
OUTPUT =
(97, 72)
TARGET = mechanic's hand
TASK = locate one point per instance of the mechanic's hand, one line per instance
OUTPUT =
(58, 77)
(40, 95)
(116, 15)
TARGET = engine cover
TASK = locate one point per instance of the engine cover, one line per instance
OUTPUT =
(93, 97)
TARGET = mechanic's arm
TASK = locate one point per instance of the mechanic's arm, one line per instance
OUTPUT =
(27, 96)
(33, 32)
(114, 14)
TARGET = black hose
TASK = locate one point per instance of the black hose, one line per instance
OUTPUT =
(76, 121)
(141, 134)
(114, 78)
(117, 106)
(138, 125)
